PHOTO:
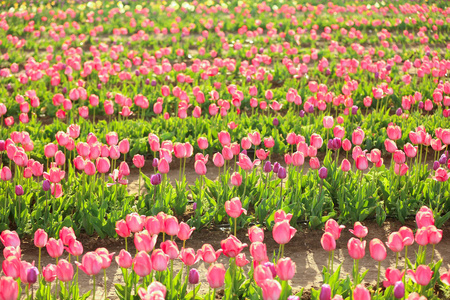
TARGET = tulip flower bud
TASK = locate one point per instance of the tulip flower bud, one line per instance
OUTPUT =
(194, 206)
(301, 114)
(194, 276)
(325, 292)
(46, 185)
(354, 110)
(156, 179)
(267, 167)
(272, 269)
(435, 165)
(281, 173)
(399, 111)
(323, 173)
(443, 159)
(155, 163)
(421, 105)
(399, 290)
(19, 190)
(276, 167)
(32, 275)
(275, 122)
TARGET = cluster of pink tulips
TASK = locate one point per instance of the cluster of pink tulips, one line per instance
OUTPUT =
(155, 265)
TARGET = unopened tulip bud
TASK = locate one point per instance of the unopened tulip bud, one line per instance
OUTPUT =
(194, 276)
(301, 114)
(399, 111)
(323, 173)
(46, 185)
(325, 292)
(399, 290)
(19, 190)
(281, 173)
(275, 122)
(267, 167)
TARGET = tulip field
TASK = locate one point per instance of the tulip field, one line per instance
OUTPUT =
(193, 150)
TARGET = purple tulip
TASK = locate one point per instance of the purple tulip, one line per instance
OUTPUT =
(354, 110)
(137, 73)
(99, 86)
(323, 173)
(281, 173)
(301, 113)
(64, 90)
(399, 111)
(19, 190)
(399, 290)
(311, 109)
(244, 152)
(325, 292)
(267, 167)
(330, 144)
(46, 185)
(2, 145)
(155, 163)
(436, 165)
(194, 206)
(443, 159)
(420, 104)
(32, 275)
(328, 72)
(147, 81)
(194, 276)
(275, 122)
(248, 79)
(337, 143)
(153, 83)
(388, 68)
(276, 166)
(155, 179)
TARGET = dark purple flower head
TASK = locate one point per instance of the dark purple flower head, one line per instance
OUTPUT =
(153, 83)
(194, 276)
(248, 79)
(19, 190)
(275, 122)
(46, 185)
(388, 67)
(354, 110)
(337, 143)
(276, 167)
(301, 113)
(155, 179)
(328, 72)
(420, 104)
(32, 275)
(436, 165)
(64, 90)
(311, 109)
(194, 206)
(137, 73)
(267, 167)
(281, 173)
(2, 145)
(99, 86)
(244, 152)
(399, 111)
(147, 81)
(330, 144)
(443, 159)
(323, 173)
(155, 162)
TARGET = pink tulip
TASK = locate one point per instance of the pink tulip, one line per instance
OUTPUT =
(91, 263)
(12, 251)
(171, 225)
(153, 225)
(285, 269)
(232, 246)
(392, 276)
(155, 291)
(246, 163)
(102, 165)
(434, 235)
(189, 257)
(334, 228)
(75, 248)
(105, 256)
(361, 293)
(10, 238)
(202, 143)
(377, 250)
(445, 278)
(184, 232)
(255, 234)
(390, 146)
(282, 232)
(362, 162)
(49, 273)
(144, 241)
(171, 249)
(160, 260)
(271, 289)
(441, 175)
(358, 136)
(421, 237)
(394, 132)
(200, 167)
(134, 222)
(407, 235)
(11, 267)
(255, 138)
(64, 270)
(328, 242)
(163, 166)
(122, 229)
(55, 248)
(224, 138)
(66, 234)
(208, 254)
(258, 250)
(241, 260)
(422, 275)
(280, 215)
(356, 248)
(424, 217)
(359, 230)
(9, 289)
(142, 264)
(395, 242)
(261, 274)
(138, 161)
(316, 141)
(216, 276)
(234, 208)
(345, 165)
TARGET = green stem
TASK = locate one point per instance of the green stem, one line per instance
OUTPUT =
(93, 290)
(104, 278)
(378, 279)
